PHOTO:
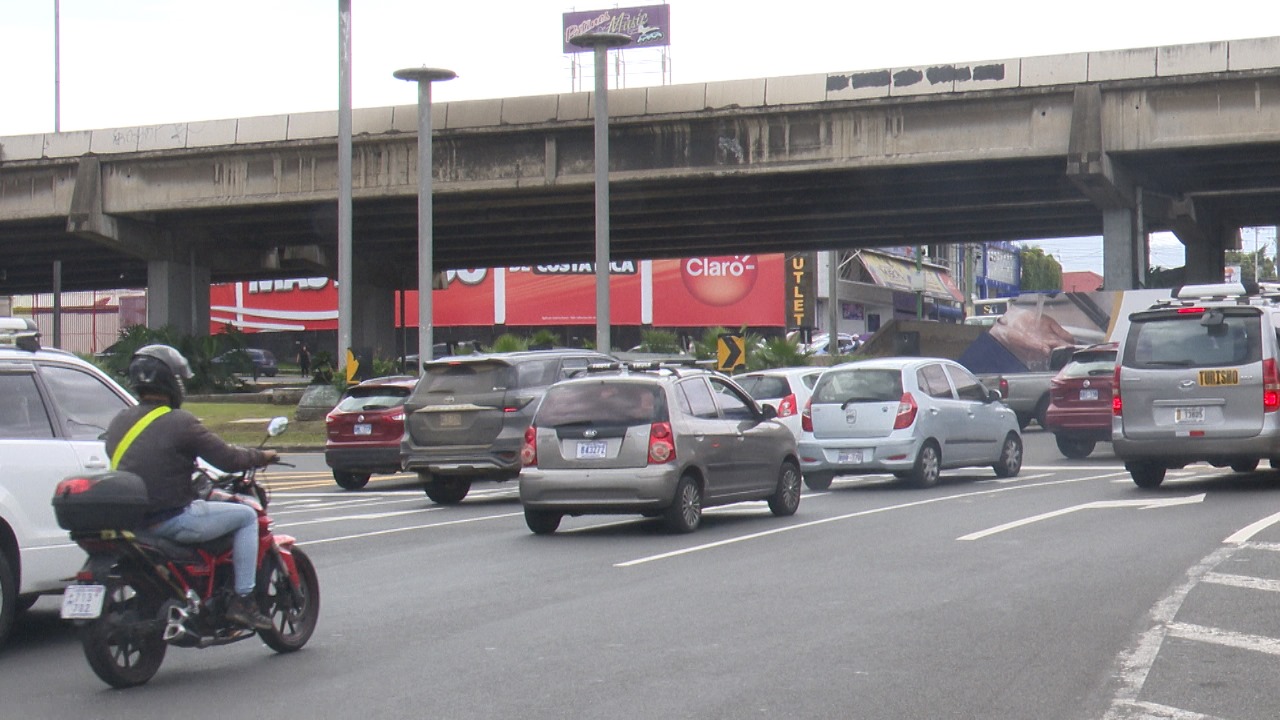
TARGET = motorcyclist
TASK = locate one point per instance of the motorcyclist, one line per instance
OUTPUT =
(160, 442)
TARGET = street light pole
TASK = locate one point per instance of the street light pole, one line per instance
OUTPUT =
(424, 76)
(600, 42)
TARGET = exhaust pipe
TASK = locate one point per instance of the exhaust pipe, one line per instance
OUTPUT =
(176, 628)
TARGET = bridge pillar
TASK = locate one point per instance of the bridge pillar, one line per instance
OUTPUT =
(1206, 255)
(373, 300)
(1119, 238)
(178, 296)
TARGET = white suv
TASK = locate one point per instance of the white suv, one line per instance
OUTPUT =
(55, 407)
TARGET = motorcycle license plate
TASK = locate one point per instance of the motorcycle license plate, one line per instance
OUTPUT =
(364, 429)
(82, 602)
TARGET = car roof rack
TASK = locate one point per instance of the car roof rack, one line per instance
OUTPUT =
(665, 367)
(21, 333)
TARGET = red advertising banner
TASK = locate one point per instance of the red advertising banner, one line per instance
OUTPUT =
(467, 299)
(731, 290)
(566, 294)
(299, 304)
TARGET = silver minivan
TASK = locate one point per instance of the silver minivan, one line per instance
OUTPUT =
(911, 416)
(1196, 380)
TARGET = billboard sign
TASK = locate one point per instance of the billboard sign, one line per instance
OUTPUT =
(801, 293)
(648, 26)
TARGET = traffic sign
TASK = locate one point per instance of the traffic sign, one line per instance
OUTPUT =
(731, 352)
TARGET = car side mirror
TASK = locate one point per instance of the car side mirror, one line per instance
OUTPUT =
(994, 396)
(770, 412)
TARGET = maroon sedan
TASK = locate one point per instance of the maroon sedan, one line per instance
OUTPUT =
(1079, 414)
(362, 434)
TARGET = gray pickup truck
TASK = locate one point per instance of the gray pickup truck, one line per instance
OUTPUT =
(1027, 393)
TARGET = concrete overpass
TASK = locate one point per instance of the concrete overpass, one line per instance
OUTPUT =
(1117, 143)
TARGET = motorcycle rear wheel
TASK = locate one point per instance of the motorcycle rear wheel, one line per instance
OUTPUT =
(293, 622)
(125, 645)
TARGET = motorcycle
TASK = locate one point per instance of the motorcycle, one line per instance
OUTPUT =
(138, 593)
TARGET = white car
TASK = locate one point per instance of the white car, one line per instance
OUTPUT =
(55, 407)
(911, 416)
(786, 389)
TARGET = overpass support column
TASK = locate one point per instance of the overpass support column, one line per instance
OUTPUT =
(1119, 238)
(178, 296)
(1206, 261)
(373, 311)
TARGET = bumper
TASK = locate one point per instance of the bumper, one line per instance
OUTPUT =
(1175, 450)
(851, 457)
(370, 460)
(599, 491)
(497, 462)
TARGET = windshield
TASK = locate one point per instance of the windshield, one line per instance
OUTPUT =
(765, 387)
(1199, 339)
(859, 385)
(601, 403)
(466, 377)
(373, 398)
(1090, 363)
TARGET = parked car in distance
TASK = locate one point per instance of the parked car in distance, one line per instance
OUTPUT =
(249, 360)
(466, 418)
(363, 432)
(655, 441)
(1079, 414)
(820, 343)
(911, 416)
(1197, 380)
(54, 408)
(787, 390)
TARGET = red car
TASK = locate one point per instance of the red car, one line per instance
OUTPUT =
(1079, 414)
(362, 434)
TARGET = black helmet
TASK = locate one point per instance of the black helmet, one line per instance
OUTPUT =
(160, 370)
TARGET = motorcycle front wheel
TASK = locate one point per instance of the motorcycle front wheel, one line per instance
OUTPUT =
(125, 645)
(293, 617)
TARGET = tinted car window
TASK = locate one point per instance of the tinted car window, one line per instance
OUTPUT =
(701, 404)
(1194, 340)
(87, 404)
(536, 373)
(25, 415)
(765, 387)
(373, 398)
(466, 377)
(967, 386)
(602, 403)
(1092, 362)
(732, 404)
(859, 385)
(934, 381)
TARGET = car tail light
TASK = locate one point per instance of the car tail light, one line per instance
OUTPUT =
(1270, 386)
(806, 417)
(397, 417)
(73, 486)
(906, 412)
(1117, 406)
(1004, 388)
(514, 405)
(662, 447)
(529, 453)
(787, 406)
(331, 418)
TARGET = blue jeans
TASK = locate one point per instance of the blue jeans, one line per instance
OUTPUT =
(202, 521)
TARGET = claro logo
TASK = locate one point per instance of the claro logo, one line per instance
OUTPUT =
(719, 281)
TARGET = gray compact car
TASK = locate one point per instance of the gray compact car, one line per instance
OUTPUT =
(910, 416)
(655, 441)
(466, 418)
(1197, 380)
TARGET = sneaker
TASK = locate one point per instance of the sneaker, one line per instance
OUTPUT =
(242, 610)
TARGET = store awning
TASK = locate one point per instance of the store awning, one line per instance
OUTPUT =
(898, 274)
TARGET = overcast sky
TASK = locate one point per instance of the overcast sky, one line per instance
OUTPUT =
(147, 62)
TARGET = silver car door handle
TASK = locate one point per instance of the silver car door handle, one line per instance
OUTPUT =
(95, 463)
(933, 411)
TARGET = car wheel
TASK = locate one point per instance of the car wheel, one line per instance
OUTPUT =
(685, 513)
(1244, 466)
(1023, 420)
(818, 480)
(350, 481)
(8, 597)
(1010, 462)
(785, 500)
(542, 522)
(1145, 474)
(927, 467)
(1073, 448)
(1042, 409)
(445, 490)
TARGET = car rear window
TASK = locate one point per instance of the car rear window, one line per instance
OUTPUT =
(1090, 362)
(1215, 337)
(466, 377)
(765, 387)
(859, 385)
(372, 398)
(601, 403)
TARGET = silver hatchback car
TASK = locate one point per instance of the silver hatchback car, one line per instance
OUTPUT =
(656, 441)
(911, 416)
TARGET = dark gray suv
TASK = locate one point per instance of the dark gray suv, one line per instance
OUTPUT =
(466, 418)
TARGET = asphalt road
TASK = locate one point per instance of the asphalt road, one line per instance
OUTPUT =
(1063, 593)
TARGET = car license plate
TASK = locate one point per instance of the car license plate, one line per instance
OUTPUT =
(850, 456)
(1189, 415)
(1089, 394)
(593, 450)
(1219, 377)
(82, 602)
(364, 429)
(450, 420)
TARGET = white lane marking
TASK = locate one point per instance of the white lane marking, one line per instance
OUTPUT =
(861, 513)
(428, 526)
(1227, 638)
(1246, 533)
(1156, 711)
(1140, 503)
(1243, 581)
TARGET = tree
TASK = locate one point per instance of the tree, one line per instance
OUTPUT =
(1040, 271)
(1253, 266)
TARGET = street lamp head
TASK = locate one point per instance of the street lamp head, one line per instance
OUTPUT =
(424, 74)
(605, 40)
